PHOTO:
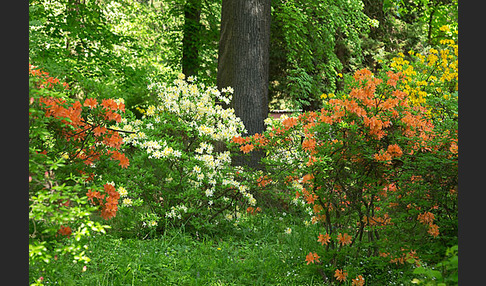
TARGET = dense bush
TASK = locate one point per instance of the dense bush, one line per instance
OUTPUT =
(181, 173)
(374, 172)
(67, 138)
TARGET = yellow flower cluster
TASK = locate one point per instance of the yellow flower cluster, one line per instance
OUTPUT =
(431, 74)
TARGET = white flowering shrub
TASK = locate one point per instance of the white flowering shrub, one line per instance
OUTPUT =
(185, 178)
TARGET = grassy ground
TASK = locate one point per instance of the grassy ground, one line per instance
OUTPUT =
(256, 252)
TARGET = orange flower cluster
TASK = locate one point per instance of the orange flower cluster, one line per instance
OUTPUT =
(108, 201)
(262, 181)
(310, 197)
(289, 122)
(427, 218)
(65, 230)
(312, 258)
(324, 239)
(393, 151)
(404, 256)
(366, 131)
(358, 281)
(45, 81)
(239, 140)
(253, 211)
(340, 275)
(77, 129)
(70, 114)
(247, 148)
(344, 239)
(377, 221)
(309, 144)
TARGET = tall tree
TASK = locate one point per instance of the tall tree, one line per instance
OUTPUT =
(192, 37)
(243, 60)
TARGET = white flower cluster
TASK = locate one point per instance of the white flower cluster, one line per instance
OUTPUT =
(196, 106)
(176, 212)
(189, 117)
(150, 220)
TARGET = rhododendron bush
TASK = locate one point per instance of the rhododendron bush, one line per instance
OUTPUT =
(178, 151)
(67, 138)
(372, 171)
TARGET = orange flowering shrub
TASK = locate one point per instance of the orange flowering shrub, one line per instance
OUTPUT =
(366, 167)
(67, 138)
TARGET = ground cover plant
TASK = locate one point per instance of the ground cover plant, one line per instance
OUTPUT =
(137, 174)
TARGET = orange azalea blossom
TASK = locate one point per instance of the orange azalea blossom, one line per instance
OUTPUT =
(325, 118)
(310, 198)
(393, 78)
(289, 122)
(312, 258)
(344, 239)
(98, 130)
(390, 103)
(340, 275)
(358, 281)
(65, 230)
(246, 148)
(382, 156)
(362, 74)
(309, 144)
(111, 191)
(108, 203)
(311, 161)
(110, 115)
(90, 102)
(263, 181)
(394, 151)
(433, 230)
(253, 211)
(109, 104)
(307, 177)
(426, 218)
(115, 140)
(238, 140)
(260, 139)
(115, 155)
(324, 238)
(94, 194)
(405, 256)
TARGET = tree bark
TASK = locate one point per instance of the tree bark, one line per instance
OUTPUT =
(243, 62)
(192, 37)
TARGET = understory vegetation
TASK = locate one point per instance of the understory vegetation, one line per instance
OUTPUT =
(132, 173)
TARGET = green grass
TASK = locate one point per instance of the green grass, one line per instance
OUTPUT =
(257, 252)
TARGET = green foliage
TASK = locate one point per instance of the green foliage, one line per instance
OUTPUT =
(311, 42)
(444, 272)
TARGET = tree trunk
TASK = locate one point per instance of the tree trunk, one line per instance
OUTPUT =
(192, 37)
(243, 62)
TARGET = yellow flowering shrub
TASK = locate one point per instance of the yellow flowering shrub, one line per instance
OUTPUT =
(432, 76)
